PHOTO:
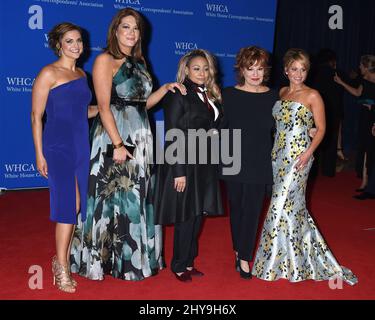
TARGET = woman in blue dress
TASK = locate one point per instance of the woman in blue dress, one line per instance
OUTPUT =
(119, 236)
(62, 149)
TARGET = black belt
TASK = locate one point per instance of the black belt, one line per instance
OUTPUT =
(125, 103)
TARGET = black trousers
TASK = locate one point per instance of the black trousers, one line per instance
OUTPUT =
(185, 245)
(246, 203)
(365, 142)
(371, 183)
(371, 175)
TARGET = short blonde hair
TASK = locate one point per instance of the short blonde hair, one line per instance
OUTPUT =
(212, 87)
(296, 54)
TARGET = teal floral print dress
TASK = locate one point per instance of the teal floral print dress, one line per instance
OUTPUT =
(291, 246)
(119, 237)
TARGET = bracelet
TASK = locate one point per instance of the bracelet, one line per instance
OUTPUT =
(118, 146)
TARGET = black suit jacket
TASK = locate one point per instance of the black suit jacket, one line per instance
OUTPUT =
(202, 194)
(184, 113)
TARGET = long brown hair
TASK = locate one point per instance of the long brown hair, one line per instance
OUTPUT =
(113, 47)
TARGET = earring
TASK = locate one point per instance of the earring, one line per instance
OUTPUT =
(58, 50)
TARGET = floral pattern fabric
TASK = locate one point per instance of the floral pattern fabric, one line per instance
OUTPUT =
(119, 236)
(291, 246)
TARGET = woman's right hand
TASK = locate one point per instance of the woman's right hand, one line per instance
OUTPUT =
(41, 165)
(121, 154)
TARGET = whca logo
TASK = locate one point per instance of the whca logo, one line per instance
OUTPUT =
(186, 45)
(212, 7)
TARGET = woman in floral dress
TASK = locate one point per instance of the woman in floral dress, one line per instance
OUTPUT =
(119, 236)
(291, 246)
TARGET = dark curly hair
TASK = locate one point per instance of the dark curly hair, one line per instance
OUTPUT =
(57, 32)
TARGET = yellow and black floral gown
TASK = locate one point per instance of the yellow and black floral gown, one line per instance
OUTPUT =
(291, 246)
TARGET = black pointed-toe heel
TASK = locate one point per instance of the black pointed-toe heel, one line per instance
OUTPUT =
(244, 274)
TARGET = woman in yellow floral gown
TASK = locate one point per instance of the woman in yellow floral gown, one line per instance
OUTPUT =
(291, 246)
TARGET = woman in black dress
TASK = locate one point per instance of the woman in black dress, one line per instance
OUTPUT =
(248, 106)
(366, 94)
(185, 191)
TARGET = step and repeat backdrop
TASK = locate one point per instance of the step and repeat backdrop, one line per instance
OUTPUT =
(173, 28)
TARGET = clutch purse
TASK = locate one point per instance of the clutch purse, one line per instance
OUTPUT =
(109, 151)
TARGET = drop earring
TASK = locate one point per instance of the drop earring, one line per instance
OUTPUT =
(58, 50)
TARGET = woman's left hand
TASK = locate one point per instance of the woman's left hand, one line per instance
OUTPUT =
(303, 159)
(173, 85)
(337, 79)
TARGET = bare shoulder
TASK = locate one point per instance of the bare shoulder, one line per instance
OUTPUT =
(49, 70)
(313, 95)
(104, 59)
(48, 75)
(104, 65)
(282, 91)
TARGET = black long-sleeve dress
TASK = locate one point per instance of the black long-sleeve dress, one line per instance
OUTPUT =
(252, 113)
(202, 193)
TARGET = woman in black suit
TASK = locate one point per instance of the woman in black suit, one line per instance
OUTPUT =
(185, 191)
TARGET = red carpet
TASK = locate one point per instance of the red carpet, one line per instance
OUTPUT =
(27, 238)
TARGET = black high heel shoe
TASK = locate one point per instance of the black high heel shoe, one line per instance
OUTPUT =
(244, 274)
(237, 264)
